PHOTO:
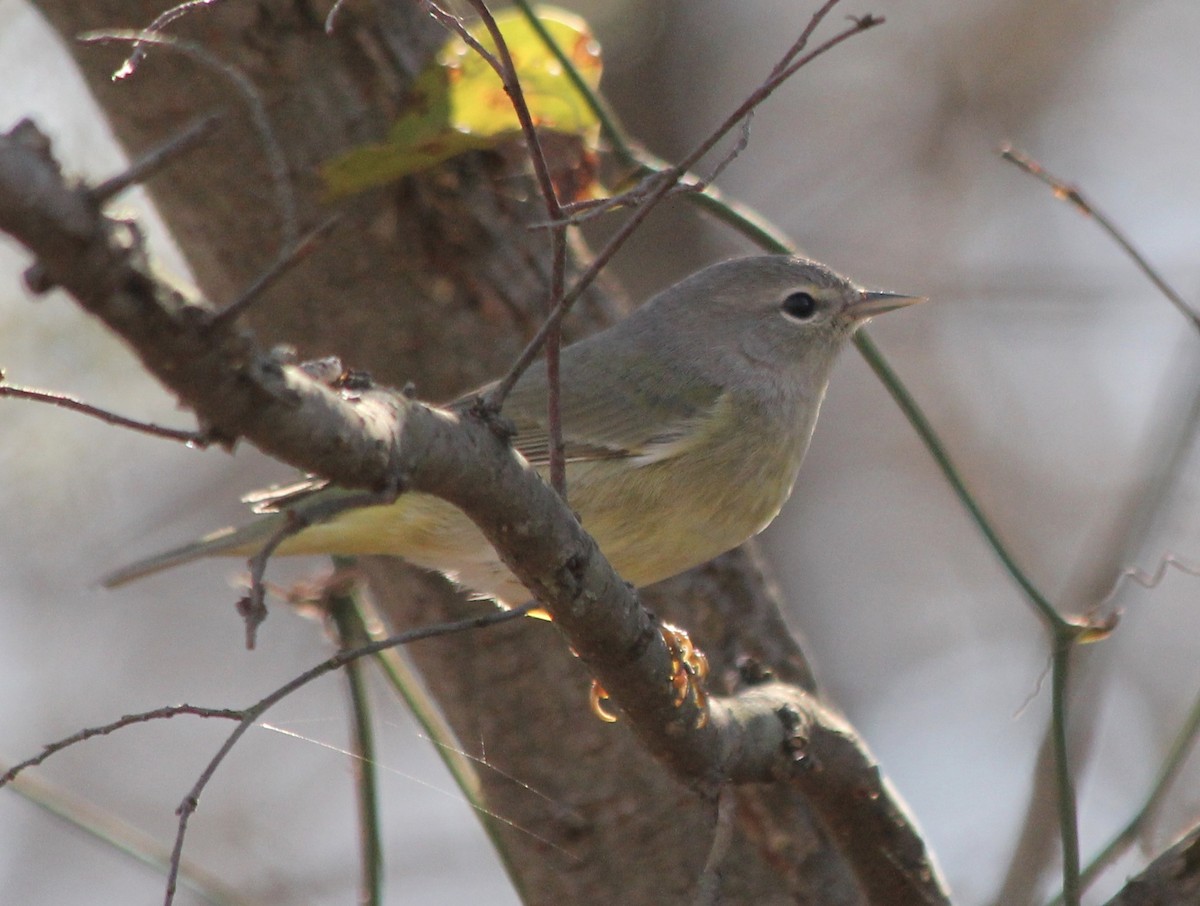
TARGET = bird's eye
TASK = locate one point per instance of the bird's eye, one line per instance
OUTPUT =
(800, 306)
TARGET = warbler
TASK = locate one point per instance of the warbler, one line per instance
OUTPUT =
(684, 428)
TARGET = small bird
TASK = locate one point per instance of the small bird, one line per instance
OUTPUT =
(684, 426)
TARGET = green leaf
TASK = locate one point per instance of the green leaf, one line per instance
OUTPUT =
(458, 103)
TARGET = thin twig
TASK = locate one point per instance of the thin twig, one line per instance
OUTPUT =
(746, 221)
(1149, 580)
(251, 715)
(708, 885)
(253, 607)
(276, 161)
(1064, 632)
(579, 212)
(800, 43)
(507, 70)
(332, 15)
(105, 729)
(1173, 436)
(1072, 194)
(157, 158)
(452, 22)
(1073, 882)
(192, 438)
(920, 422)
(554, 425)
(161, 21)
(502, 63)
(286, 260)
(779, 75)
(741, 145)
(461, 766)
(604, 116)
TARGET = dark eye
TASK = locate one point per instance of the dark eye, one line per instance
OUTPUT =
(800, 306)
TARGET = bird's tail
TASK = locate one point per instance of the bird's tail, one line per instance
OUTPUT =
(245, 539)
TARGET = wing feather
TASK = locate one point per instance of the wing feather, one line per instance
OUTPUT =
(632, 419)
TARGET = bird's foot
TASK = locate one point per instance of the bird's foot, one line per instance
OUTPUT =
(689, 671)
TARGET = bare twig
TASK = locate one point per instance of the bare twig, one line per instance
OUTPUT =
(157, 158)
(1074, 196)
(800, 43)
(374, 437)
(1172, 765)
(708, 886)
(160, 22)
(276, 161)
(554, 425)
(287, 259)
(1072, 881)
(1181, 747)
(448, 20)
(750, 224)
(191, 438)
(249, 716)
(1068, 814)
(1150, 579)
(502, 63)
(332, 15)
(741, 145)
(664, 184)
(505, 68)
(253, 607)
(1172, 879)
(780, 74)
(105, 729)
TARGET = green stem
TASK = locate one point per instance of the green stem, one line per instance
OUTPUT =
(1181, 747)
(916, 418)
(407, 684)
(1067, 817)
(352, 633)
(113, 831)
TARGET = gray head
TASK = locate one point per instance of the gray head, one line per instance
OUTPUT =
(787, 316)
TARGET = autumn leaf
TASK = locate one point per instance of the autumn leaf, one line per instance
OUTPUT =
(458, 102)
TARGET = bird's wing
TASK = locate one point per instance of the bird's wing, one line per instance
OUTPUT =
(630, 420)
(280, 497)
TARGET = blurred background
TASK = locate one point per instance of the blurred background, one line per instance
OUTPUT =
(1062, 383)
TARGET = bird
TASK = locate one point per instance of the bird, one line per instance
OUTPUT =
(684, 426)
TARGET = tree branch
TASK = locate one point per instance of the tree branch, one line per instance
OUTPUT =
(383, 440)
(1173, 879)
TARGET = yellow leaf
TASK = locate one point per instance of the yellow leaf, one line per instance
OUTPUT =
(458, 103)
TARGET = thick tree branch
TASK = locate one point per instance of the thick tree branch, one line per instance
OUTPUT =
(384, 440)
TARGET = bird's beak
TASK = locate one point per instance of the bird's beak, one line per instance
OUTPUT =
(871, 303)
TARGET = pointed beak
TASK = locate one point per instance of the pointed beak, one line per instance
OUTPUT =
(872, 303)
